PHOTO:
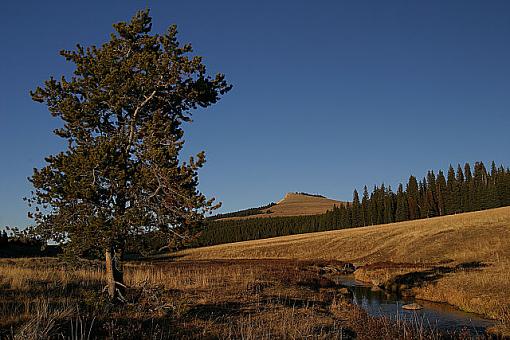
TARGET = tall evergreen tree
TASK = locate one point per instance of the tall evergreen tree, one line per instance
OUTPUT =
(413, 198)
(381, 193)
(463, 203)
(122, 113)
(424, 201)
(402, 209)
(441, 193)
(431, 195)
(481, 199)
(389, 206)
(502, 192)
(365, 211)
(452, 193)
(469, 190)
(356, 210)
(493, 187)
(374, 211)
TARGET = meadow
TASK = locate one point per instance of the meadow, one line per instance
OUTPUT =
(204, 299)
(463, 259)
(272, 288)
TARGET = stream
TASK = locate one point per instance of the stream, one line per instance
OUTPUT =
(439, 315)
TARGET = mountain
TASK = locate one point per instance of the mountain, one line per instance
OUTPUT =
(293, 204)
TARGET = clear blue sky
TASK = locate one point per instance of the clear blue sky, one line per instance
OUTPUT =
(328, 96)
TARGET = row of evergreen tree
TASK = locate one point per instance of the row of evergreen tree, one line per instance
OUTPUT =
(245, 212)
(462, 190)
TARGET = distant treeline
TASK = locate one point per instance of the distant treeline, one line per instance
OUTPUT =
(20, 246)
(461, 190)
(307, 194)
(244, 213)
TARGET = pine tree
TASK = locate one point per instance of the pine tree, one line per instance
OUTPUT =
(469, 190)
(122, 113)
(413, 198)
(402, 209)
(365, 207)
(424, 201)
(481, 187)
(431, 195)
(452, 193)
(492, 193)
(381, 193)
(462, 187)
(374, 211)
(501, 191)
(356, 210)
(441, 193)
(389, 206)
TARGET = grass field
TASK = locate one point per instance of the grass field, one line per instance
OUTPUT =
(240, 299)
(297, 205)
(462, 259)
(269, 289)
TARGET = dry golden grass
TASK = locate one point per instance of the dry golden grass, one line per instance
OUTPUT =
(185, 300)
(423, 244)
(476, 236)
(262, 299)
(296, 205)
(23, 274)
(484, 290)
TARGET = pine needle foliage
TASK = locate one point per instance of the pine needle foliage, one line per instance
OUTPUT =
(122, 112)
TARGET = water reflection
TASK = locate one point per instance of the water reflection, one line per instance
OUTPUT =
(380, 303)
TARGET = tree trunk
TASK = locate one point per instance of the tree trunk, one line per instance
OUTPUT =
(114, 276)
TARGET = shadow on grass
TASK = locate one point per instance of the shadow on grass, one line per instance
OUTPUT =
(423, 277)
(210, 311)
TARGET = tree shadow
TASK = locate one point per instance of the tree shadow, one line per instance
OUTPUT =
(423, 277)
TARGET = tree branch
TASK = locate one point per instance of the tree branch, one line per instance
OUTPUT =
(133, 119)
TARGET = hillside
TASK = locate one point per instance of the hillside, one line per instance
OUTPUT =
(295, 204)
(479, 235)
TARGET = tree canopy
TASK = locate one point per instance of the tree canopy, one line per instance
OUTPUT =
(121, 177)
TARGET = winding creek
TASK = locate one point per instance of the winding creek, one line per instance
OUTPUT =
(439, 315)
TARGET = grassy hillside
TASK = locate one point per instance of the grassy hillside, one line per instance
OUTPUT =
(296, 204)
(461, 259)
(483, 235)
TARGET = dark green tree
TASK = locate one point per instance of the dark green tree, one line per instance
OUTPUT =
(441, 193)
(424, 202)
(469, 188)
(413, 198)
(372, 207)
(389, 205)
(380, 194)
(481, 199)
(463, 203)
(402, 209)
(452, 193)
(356, 210)
(365, 211)
(492, 187)
(121, 178)
(431, 195)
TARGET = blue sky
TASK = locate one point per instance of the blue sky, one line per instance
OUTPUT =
(328, 96)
